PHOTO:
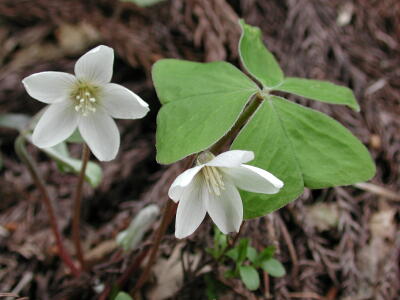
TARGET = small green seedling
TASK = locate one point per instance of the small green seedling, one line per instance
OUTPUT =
(247, 260)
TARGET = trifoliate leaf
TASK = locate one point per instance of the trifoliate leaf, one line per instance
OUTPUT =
(302, 147)
(256, 58)
(319, 90)
(201, 102)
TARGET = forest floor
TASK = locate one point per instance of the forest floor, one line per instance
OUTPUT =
(338, 243)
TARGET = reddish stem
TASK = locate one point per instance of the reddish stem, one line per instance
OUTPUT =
(33, 170)
(77, 207)
(127, 273)
(168, 216)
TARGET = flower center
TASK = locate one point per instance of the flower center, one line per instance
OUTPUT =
(213, 179)
(212, 175)
(84, 96)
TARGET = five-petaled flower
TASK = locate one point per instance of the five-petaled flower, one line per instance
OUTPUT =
(87, 100)
(212, 186)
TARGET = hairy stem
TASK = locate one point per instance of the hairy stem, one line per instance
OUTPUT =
(34, 172)
(77, 207)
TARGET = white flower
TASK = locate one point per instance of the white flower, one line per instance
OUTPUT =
(87, 100)
(212, 186)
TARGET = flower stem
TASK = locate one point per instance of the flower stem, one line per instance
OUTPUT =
(247, 113)
(167, 218)
(34, 172)
(126, 275)
(77, 207)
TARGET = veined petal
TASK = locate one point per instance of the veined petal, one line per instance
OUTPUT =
(121, 103)
(232, 158)
(226, 209)
(56, 124)
(96, 65)
(49, 87)
(253, 179)
(191, 208)
(101, 134)
(182, 182)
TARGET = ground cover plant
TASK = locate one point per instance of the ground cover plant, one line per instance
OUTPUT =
(263, 166)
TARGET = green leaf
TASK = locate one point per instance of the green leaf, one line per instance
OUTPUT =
(68, 164)
(256, 58)
(193, 125)
(250, 277)
(265, 136)
(123, 296)
(14, 121)
(319, 90)
(302, 147)
(266, 254)
(233, 254)
(177, 80)
(201, 102)
(273, 267)
(328, 153)
(251, 254)
(220, 243)
(229, 274)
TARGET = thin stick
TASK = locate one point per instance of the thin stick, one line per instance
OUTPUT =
(291, 248)
(303, 295)
(33, 170)
(378, 190)
(77, 207)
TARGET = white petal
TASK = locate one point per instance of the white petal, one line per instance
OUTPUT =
(96, 65)
(49, 87)
(121, 103)
(191, 209)
(232, 158)
(181, 182)
(226, 209)
(101, 134)
(253, 179)
(56, 124)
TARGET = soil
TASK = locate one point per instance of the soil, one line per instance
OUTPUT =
(338, 243)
